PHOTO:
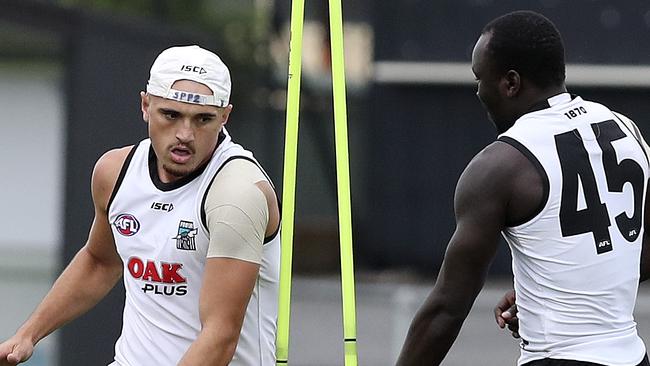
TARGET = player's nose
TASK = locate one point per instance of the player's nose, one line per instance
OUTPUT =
(185, 133)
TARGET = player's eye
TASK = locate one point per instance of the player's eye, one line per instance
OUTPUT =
(205, 118)
(170, 114)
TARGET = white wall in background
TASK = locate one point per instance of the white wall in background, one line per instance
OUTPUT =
(31, 194)
(31, 156)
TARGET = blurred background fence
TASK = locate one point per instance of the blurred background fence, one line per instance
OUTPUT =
(71, 71)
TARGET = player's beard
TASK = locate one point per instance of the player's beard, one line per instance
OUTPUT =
(178, 172)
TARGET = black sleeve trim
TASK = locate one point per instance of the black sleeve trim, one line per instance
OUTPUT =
(120, 178)
(636, 134)
(205, 194)
(540, 169)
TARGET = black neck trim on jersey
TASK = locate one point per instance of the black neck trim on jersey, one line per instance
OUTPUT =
(543, 104)
(545, 182)
(120, 177)
(539, 106)
(166, 187)
(205, 194)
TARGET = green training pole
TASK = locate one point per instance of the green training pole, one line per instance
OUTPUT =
(289, 180)
(343, 183)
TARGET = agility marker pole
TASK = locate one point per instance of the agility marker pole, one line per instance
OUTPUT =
(289, 180)
(343, 183)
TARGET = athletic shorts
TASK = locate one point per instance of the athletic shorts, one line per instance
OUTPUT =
(556, 362)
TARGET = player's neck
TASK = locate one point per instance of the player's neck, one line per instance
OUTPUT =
(538, 98)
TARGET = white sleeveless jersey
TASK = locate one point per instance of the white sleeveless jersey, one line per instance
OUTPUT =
(576, 263)
(160, 234)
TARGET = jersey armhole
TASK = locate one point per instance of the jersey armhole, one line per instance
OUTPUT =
(540, 169)
(205, 195)
(633, 128)
(120, 177)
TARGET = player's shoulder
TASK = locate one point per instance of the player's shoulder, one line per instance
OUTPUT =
(112, 160)
(627, 121)
(107, 169)
(598, 111)
(491, 171)
(621, 115)
(115, 156)
(497, 158)
(238, 165)
(241, 182)
(238, 177)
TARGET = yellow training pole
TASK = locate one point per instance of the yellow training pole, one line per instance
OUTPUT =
(289, 180)
(343, 183)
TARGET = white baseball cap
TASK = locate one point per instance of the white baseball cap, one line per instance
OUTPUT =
(190, 63)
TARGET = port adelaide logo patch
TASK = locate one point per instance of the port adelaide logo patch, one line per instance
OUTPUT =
(185, 237)
(126, 224)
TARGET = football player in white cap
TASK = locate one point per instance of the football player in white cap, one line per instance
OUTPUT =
(190, 222)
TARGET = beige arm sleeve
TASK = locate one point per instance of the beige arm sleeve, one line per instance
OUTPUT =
(237, 212)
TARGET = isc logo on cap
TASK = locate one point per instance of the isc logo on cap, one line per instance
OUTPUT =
(191, 68)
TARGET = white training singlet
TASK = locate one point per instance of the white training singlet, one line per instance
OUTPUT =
(576, 263)
(160, 234)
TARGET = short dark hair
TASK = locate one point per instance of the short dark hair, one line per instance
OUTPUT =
(528, 43)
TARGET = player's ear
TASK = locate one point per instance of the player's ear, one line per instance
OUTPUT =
(144, 105)
(226, 114)
(511, 83)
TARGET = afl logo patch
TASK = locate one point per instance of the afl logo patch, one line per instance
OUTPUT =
(127, 224)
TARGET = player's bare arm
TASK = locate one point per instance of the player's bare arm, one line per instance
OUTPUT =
(231, 274)
(227, 287)
(86, 280)
(484, 204)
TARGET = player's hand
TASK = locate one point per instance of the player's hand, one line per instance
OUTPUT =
(505, 313)
(15, 350)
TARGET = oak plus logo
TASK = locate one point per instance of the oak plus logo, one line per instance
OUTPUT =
(126, 224)
(159, 278)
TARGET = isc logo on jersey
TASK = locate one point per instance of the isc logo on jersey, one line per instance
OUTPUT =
(126, 224)
(159, 278)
